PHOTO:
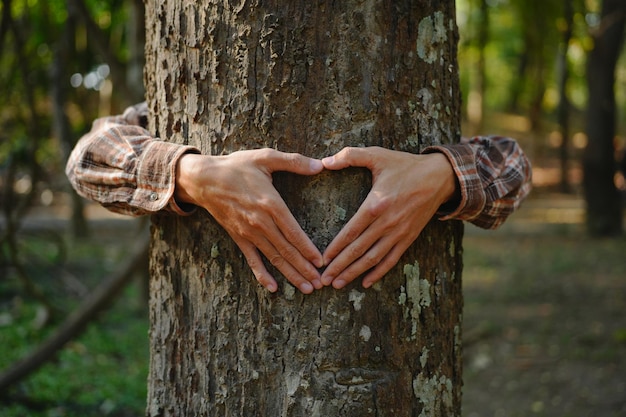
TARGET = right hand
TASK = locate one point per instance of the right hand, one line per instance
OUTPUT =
(407, 190)
(237, 191)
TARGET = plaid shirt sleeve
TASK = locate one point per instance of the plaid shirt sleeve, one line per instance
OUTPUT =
(120, 165)
(494, 177)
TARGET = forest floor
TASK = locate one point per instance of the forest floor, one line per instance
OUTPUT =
(544, 316)
(544, 324)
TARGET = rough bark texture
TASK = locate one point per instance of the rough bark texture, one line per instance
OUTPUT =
(604, 211)
(308, 77)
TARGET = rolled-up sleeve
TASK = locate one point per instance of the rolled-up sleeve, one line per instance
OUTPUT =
(120, 165)
(494, 178)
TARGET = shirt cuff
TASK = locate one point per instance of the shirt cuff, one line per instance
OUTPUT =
(463, 161)
(156, 178)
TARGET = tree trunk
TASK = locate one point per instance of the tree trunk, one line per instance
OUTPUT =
(308, 77)
(476, 97)
(60, 122)
(604, 211)
(136, 41)
(563, 109)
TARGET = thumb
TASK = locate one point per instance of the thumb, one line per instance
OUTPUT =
(293, 162)
(348, 157)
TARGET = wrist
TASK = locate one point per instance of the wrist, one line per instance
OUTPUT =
(450, 190)
(186, 187)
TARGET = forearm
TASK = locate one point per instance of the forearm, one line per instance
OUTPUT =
(122, 167)
(494, 178)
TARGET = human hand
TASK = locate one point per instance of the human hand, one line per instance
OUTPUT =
(237, 191)
(407, 189)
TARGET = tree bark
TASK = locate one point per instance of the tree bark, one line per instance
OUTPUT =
(604, 210)
(308, 77)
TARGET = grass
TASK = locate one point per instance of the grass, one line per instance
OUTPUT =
(101, 373)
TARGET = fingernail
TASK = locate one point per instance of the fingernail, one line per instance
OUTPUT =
(326, 280)
(319, 263)
(316, 165)
(271, 287)
(328, 160)
(339, 284)
(317, 284)
(306, 288)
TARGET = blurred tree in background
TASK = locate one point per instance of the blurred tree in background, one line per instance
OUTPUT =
(62, 64)
(59, 61)
(538, 59)
(604, 205)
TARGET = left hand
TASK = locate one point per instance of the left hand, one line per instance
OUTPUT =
(237, 190)
(407, 189)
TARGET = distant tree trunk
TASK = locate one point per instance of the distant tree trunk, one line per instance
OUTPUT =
(564, 103)
(604, 211)
(59, 76)
(476, 99)
(519, 81)
(535, 113)
(539, 47)
(136, 42)
(308, 77)
(537, 32)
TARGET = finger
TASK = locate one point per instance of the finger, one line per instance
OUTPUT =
(338, 266)
(358, 257)
(256, 265)
(280, 260)
(389, 261)
(273, 220)
(349, 157)
(294, 237)
(343, 251)
(290, 162)
(368, 261)
(365, 216)
(282, 230)
(290, 262)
